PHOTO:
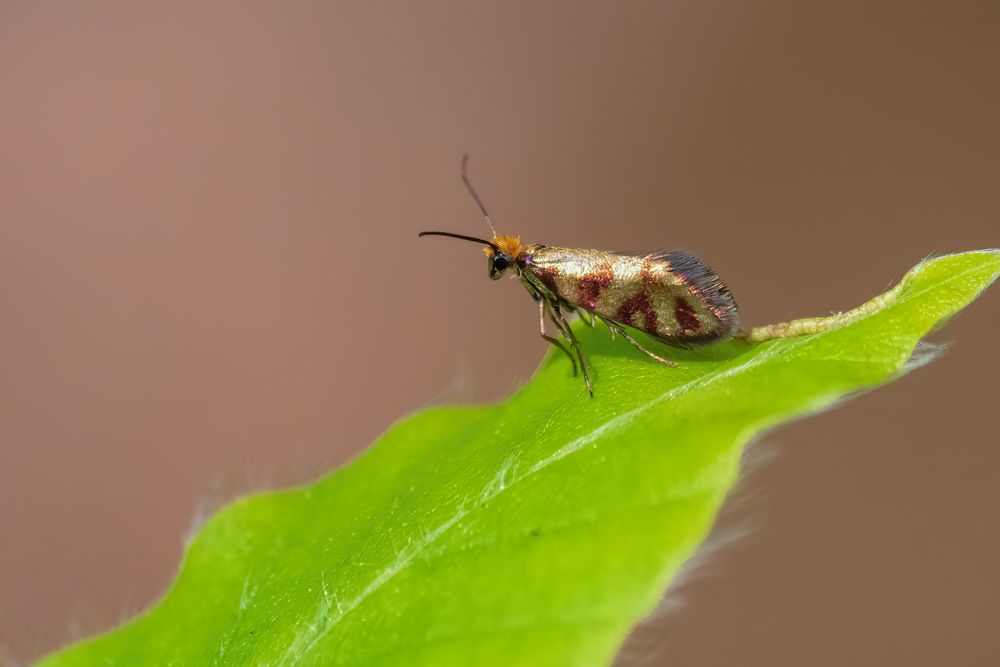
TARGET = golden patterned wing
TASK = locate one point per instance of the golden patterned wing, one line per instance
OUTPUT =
(671, 295)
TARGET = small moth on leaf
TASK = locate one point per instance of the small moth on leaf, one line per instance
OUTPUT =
(672, 296)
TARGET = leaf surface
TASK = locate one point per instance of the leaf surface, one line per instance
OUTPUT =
(537, 531)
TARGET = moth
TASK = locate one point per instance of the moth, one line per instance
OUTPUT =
(671, 296)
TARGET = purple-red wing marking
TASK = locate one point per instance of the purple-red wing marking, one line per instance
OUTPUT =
(673, 296)
(591, 287)
(687, 318)
(639, 304)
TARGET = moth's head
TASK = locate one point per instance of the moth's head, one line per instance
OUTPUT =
(501, 254)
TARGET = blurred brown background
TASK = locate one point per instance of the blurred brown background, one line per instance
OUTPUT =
(210, 279)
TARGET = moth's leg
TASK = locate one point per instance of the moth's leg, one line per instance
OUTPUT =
(587, 316)
(567, 331)
(611, 328)
(555, 312)
(555, 341)
(617, 328)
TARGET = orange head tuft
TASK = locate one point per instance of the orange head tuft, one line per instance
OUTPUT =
(508, 245)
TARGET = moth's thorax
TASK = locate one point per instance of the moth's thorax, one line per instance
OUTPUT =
(526, 254)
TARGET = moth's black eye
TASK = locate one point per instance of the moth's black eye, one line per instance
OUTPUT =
(498, 264)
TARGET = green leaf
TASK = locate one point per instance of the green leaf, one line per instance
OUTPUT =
(536, 531)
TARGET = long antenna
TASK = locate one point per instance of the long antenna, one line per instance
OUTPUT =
(463, 237)
(472, 191)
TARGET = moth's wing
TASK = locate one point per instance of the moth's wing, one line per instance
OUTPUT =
(705, 285)
(671, 295)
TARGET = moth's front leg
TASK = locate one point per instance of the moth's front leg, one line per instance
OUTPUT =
(567, 331)
(555, 341)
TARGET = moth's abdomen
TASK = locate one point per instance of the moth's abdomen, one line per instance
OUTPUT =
(673, 295)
